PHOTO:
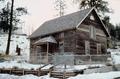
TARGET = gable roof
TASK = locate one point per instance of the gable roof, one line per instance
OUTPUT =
(62, 23)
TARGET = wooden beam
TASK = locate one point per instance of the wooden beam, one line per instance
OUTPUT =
(47, 52)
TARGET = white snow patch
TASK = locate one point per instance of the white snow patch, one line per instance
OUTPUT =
(113, 50)
(108, 75)
(115, 57)
(7, 76)
(23, 65)
(76, 67)
(47, 67)
(16, 39)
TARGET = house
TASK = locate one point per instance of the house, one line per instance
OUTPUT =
(81, 34)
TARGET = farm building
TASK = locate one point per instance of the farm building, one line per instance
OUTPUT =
(77, 37)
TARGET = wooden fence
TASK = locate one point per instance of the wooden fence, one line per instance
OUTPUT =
(17, 71)
(39, 72)
(24, 71)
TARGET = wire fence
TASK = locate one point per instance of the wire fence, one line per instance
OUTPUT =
(70, 59)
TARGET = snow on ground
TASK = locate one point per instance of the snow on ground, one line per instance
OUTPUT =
(24, 65)
(16, 39)
(115, 57)
(76, 67)
(7, 76)
(47, 67)
(80, 67)
(108, 75)
(113, 50)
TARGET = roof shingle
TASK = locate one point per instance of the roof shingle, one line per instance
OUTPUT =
(69, 21)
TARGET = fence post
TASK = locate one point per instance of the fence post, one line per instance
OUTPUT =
(39, 71)
(23, 72)
(10, 71)
(0, 70)
(50, 70)
(64, 74)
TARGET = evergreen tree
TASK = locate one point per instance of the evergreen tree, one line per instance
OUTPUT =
(113, 32)
(100, 5)
(9, 18)
(117, 30)
(5, 17)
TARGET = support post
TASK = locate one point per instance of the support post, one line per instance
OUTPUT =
(47, 52)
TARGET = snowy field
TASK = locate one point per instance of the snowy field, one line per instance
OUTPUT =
(21, 65)
(115, 55)
(7, 76)
(69, 68)
(16, 39)
(108, 75)
(25, 65)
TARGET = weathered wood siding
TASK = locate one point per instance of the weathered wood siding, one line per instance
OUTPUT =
(83, 34)
(73, 41)
(69, 41)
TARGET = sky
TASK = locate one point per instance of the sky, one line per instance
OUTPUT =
(43, 10)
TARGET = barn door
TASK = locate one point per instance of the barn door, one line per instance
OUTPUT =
(87, 47)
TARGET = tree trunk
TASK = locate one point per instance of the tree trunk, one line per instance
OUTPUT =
(10, 29)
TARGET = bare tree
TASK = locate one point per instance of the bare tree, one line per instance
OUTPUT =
(60, 6)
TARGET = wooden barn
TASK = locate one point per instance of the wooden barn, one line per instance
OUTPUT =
(80, 36)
